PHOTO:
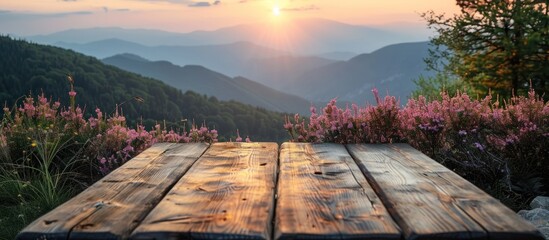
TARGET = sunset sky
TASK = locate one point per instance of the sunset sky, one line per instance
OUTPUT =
(29, 17)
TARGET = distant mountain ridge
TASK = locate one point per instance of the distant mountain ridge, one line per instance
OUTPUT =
(306, 36)
(390, 69)
(267, 66)
(227, 58)
(202, 80)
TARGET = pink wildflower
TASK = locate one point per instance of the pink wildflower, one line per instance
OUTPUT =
(376, 95)
(238, 138)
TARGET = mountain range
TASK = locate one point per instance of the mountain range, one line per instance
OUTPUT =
(234, 59)
(390, 69)
(301, 36)
(234, 64)
(202, 80)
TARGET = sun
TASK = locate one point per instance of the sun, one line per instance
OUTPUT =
(276, 11)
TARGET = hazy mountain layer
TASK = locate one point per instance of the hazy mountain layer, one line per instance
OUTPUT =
(303, 36)
(228, 58)
(390, 69)
(267, 66)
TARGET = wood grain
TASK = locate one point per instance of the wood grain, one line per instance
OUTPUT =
(323, 195)
(227, 194)
(429, 201)
(113, 206)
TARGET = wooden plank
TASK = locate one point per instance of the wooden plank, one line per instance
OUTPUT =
(227, 194)
(429, 201)
(57, 223)
(113, 206)
(323, 195)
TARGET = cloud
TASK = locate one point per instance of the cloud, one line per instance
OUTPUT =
(204, 4)
(26, 15)
(199, 4)
(189, 3)
(299, 9)
(63, 14)
(246, 1)
(169, 1)
(107, 10)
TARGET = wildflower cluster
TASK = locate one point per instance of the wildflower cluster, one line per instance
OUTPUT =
(105, 142)
(500, 146)
(350, 125)
(239, 139)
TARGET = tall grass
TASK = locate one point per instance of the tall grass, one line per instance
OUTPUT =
(33, 190)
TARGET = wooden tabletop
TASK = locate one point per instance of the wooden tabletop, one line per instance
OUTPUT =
(295, 191)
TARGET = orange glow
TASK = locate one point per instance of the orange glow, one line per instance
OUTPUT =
(181, 16)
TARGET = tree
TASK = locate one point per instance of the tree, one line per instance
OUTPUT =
(502, 45)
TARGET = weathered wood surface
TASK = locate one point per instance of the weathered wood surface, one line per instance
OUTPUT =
(429, 201)
(227, 194)
(385, 192)
(323, 195)
(113, 206)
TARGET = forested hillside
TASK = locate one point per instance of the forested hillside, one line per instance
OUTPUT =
(27, 68)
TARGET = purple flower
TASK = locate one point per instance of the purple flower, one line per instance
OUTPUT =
(479, 146)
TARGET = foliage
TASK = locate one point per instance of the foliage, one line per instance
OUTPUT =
(37, 68)
(501, 147)
(431, 87)
(500, 45)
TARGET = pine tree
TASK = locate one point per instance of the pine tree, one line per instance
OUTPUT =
(502, 45)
